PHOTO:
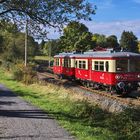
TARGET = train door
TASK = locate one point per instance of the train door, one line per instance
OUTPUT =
(57, 65)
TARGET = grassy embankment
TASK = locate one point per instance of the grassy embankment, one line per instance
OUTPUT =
(80, 118)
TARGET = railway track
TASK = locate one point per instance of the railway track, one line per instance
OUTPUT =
(132, 102)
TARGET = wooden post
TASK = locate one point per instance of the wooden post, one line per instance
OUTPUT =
(26, 42)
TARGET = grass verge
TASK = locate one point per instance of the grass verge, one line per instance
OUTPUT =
(82, 119)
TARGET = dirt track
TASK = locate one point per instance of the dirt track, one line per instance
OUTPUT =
(21, 121)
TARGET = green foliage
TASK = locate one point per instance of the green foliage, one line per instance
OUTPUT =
(112, 42)
(99, 40)
(30, 76)
(44, 13)
(51, 48)
(13, 43)
(139, 46)
(76, 37)
(129, 41)
(90, 112)
(24, 74)
(126, 124)
(1, 43)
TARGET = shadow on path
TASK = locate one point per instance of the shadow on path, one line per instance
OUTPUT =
(37, 114)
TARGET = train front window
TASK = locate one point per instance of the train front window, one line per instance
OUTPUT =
(134, 65)
(67, 63)
(121, 65)
(57, 61)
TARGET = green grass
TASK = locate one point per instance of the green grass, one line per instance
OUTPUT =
(79, 117)
(43, 58)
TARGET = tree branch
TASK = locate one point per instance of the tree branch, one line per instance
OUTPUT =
(4, 12)
(1, 1)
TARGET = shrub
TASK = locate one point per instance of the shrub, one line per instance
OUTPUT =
(24, 74)
(29, 76)
(85, 110)
(125, 124)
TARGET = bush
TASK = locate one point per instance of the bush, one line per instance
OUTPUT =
(24, 74)
(29, 76)
(126, 124)
(90, 112)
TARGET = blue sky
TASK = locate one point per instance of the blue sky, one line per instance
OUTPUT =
(113, 17)
(112, 10)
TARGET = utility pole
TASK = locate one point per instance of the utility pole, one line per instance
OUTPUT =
(50, 49)
(26, 42)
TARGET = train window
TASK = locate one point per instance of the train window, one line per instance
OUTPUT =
(96, 65)
(121, 65)
(57, 61)
(137, 63)
(107, 65)
(76, 64)
(99, 65)
(67, 63)
(134, 65)
(82, 64)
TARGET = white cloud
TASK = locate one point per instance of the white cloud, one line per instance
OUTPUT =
(106, 28)
(115, 27)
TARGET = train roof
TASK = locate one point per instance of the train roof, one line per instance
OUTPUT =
(100, 54)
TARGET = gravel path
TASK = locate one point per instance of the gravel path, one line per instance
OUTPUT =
(21, 121)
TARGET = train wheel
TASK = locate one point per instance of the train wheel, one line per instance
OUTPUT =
(83, 83)
(112, 90)
(87, 84)
(60, 77)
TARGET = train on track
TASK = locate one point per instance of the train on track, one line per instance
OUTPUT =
(112, 71)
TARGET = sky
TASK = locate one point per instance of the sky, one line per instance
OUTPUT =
(113, 17)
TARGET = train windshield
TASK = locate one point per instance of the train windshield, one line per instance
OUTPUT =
(135, 65)
(122, 65)
(125, 65)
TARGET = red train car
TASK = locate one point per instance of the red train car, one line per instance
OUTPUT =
(64, 65)
(119, 71)
(114, 71)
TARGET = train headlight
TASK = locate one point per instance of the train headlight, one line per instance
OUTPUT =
(139, 76)
(121, 85)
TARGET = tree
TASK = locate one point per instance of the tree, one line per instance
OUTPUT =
(44, 13)
(84, 43)
(139, 46)
(1, 43)
(42, 44)
(76, 37)
(129, 41)
(112, 42)
(51, 47)
(99, 40)
(12, 47)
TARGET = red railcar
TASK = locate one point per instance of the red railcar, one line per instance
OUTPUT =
(64, 65)
(119, 71)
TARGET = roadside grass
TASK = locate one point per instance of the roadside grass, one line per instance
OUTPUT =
(82, 119)
(43, 58)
